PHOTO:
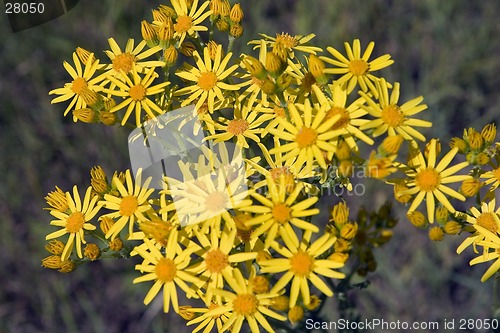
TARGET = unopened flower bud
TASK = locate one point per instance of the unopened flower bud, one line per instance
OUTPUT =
(295, 314)
(317, 69)
(52, 262)
(417, 219)
(489, 133)
(475, 139)
(236, 14)
(170, 55)
(149, 34)
(339, 257)
(108, 118)
(254, 67)
(458, 143)
(391, 145)
(116, 244)
(349, 230)
(106, 223)
(236, 30)
(222, 25)
(340, 214)
(274, 65)
(280, 303)
(436, 234)
(260, 284)
(67, 266)
(452, 227)
(92, 251)
(314, 303)
(187, 48)
(470, 187)
(86, 115)
(55, 247)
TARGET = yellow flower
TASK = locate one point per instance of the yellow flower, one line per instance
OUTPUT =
(244, 304)
(76, 221)
(392, 118)
(306, 137)
(491, 241)
(206, 320)
(350, 116)
(167, 270)
(209, 78)
(487, 218)
(82, 81)
(302, 265)
(284, 44)
(136, 94)
(217, 261)
(278, 214)
(208, 197)
(129, 204)
(122, 62)
(356, 69)
(189, 18)
(245, 124)
(492, 177)
(428, 180)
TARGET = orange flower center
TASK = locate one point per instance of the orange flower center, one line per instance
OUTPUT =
(301, 264)
(184, 23)
(282, 213)
(207, 80)
(216, 261)
(75, 222)
(344, 117)
(428, 179)
(216, 201)
(165, 270)
(137, 92)
(392, 115)
(128, 206)
(358, 67)
(245, 304)
(78, 85)
(306, 137)
(496, 173)
(123, 62)
(237, 126)
(286, 40)
(487, 221)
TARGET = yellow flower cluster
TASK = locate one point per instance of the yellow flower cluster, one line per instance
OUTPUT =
(244, 241)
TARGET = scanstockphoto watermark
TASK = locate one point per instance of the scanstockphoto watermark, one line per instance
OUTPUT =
(374, 324)
(382, 325)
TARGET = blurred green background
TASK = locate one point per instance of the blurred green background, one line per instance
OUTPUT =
(446, 51)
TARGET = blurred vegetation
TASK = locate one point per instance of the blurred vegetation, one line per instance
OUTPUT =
(446, 51)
